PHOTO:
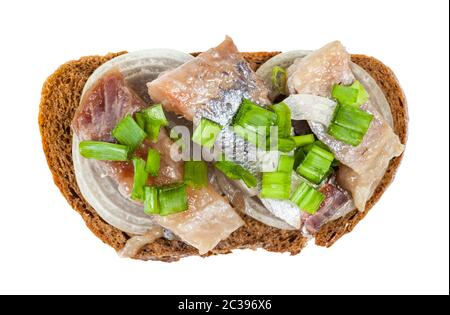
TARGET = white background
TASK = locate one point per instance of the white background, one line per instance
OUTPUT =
(401, 247)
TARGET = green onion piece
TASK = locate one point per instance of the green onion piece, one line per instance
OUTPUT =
(363, 95)
(172, 199)
(140, 119)
(196, 174)
(276, 185)
(286, 144)
(129, 133)
(252, 117)
(345, 95)
(228, 168)
(250, 136)
(283, 119)
(286, 164)
(299, 156)
(307, 198)
(236, 172)
(279, 78)
(248, 178)
(324, 153)
(155, 115)
(353, 118)
(354, 95)
(303, 140)
(345, 135)
(151, 205)
(153, 162)
(206, 133)
(103, 151)
(316, 164)
(152, 130)
(140, 179)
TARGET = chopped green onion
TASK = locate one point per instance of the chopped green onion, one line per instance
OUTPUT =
(303, 140)
(151, 205)
(345, 95)
(353, 95)
(206, 133)
(324, 153)
(299, 156)
(153, 162)
(286, 164)
(363, 95)
(128, 133)
(316, 165)
(156, 115)
(140, 179)
(353, 118)
(283, 119)
(140, 119)
(196, 174)
(152, 130)
(103, 151)
(276, 185)
(247, 177)
(251, 116)
(279, 78)
(248, 135)
(228, 168)
(286, 144)
(172, 199)
(307, 198)
(345, 135)
(236, 172)
(350, 124)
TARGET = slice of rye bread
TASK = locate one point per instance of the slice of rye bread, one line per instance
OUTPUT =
(60, 97)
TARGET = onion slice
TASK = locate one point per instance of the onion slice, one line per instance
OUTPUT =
(100, 191)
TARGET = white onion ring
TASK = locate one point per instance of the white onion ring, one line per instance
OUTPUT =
(101, 192)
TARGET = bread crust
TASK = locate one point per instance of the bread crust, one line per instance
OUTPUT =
(60, 97)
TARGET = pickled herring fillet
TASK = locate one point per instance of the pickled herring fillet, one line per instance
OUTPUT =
(316, 74)
(208, 220)
(215, 82)
(337, 203)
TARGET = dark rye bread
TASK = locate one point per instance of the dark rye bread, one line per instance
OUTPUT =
(60, 97)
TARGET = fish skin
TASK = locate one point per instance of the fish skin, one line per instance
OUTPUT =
(217, 77)
(316, 74)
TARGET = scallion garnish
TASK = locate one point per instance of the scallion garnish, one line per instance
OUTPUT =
(155, 114)
(286, 144)
(279, 78)
(128, 133)
(353, 95)
(151, 204)
(283, 119)
(303, 140)
(172, 199)
(103, 151)
(307, 198)
(236, 172)
(276, 185)
(153, 162)
(140, 119)
(252, 117)
(206, 133)
(196, 174)
(299, 156)
(140, 179)
(316, 165)
(286, 164)
(350, 124)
